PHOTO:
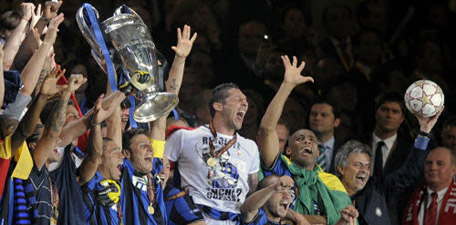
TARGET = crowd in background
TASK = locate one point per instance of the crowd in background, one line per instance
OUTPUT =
(358, 53)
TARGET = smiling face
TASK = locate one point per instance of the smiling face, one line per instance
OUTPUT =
(355, 176)
(232, 109)
(304, 148)
(438, 169)
(141, 153)
(111, 161)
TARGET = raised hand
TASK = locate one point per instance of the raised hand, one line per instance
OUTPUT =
(52, 30)
(27, 9)
(99, 113)
(427, 123)
(75, 81)
(293, 72)
(184, 42)
(50, 87)
(284, 183)
(50, 9)
(36, 15)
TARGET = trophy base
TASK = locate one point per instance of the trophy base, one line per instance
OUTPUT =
(154, 106)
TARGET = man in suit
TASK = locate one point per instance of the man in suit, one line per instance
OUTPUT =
(433, 203)
(324, 117)
(389, 149)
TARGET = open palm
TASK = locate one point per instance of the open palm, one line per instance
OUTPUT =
(184, 42)
(50, 86)
(293, 72)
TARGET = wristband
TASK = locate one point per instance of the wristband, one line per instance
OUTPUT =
(423, 134)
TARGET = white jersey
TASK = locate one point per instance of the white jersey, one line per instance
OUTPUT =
(223, 187)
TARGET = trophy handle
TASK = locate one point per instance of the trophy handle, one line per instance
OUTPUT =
(87, 20)
(86, 30)
(127, 10)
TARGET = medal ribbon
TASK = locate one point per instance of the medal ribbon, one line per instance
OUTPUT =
(224, 149)
(150, 190)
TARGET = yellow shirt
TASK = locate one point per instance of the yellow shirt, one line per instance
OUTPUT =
(22, 157)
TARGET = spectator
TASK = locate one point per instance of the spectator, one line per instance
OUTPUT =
(448, 134)
(324, 118)
(431, 202)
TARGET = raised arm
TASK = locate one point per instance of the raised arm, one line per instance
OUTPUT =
(78, 127)
(50, 11)
(14, 41)
(269, 141)
(31, 71)
(27, 125)
(412, 169)
(251, 205)
(57, 118)
(182, 49)
(94, 148)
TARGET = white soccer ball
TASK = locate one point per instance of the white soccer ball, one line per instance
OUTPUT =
(424, 98)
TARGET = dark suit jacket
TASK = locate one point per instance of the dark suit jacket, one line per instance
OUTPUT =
(397, 156)
(374, 201)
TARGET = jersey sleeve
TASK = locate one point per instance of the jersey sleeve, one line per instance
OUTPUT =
(173, 146)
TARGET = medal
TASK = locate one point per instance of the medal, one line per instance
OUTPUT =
(151, 210)
(211, 162)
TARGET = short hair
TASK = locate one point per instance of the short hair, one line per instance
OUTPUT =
(390, 97)
(128, 135)
(9, 20)
(335, 107)
(350, 147)
(7, 121)
(219, 94)
(48, 109)
(452, 154)
(266, 181)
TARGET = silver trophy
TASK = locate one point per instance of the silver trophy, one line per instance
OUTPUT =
(132, 48)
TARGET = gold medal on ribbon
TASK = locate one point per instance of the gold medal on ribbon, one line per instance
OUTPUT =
(151, 210)
(211, 162)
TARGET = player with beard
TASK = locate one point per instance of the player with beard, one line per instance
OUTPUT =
(270, 203)
(318, 193)
(218, 167)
